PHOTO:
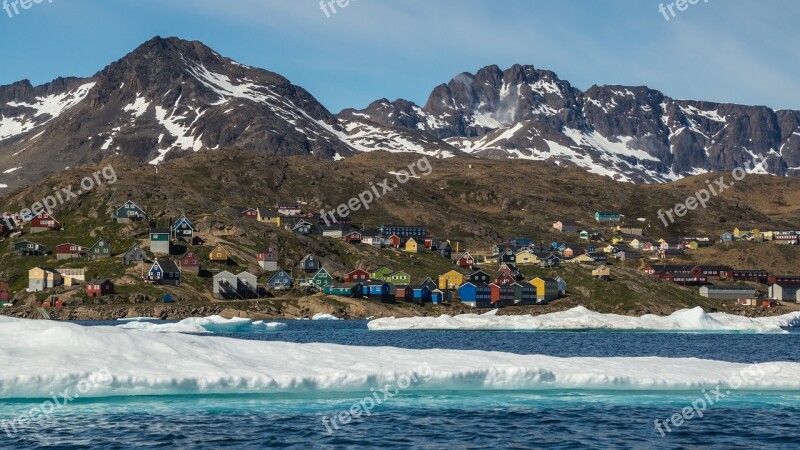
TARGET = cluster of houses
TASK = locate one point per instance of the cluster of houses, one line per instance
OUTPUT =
(412, 239)
(781, 287)
(785, 237)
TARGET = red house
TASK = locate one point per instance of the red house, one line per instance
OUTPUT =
(465, 260)
(504, 278)
(98, 288)
(502, 294)
(190, 263)
(395, 241)
(354, 237)
(784, 279)
(356, 276)
(67, 251)
(44, 222)
(249, 213)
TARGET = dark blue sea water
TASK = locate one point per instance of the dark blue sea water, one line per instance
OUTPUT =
(447, 420)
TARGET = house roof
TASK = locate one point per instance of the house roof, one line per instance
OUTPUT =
(99, 281)
(167, 265)
(159, 230)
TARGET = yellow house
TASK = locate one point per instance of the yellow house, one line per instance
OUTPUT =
(269, 216)
(546, 289)
(526, 257)
(451, 280)
(609, 249)
(635, 244)
(617, 239)
(581, 259)
(768, 235)
(412, 246)
(218, 254)
(42, 278)
(602, 272)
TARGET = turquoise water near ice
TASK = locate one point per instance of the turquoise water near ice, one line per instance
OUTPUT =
(444, 419)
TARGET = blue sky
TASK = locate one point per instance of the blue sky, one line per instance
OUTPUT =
(740, 51)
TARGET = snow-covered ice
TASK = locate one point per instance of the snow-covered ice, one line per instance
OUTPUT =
(580, 318)
(211, 324)
(40, 357)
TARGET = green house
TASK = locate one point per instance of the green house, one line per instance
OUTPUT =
(101, 249)
(382, 274)
(321, 279)
(399, 277)
(129, 212)
(28, 248)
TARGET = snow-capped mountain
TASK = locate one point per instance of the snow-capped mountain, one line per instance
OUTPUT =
(170, 97)
(629, 133)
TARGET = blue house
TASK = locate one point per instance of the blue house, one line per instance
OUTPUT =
(183, 229)
(165, 272)
(607, 217)
(439, 297)
(378, 290)
(726, 237)
(280, 281)
(562, 286)
(476, 295)
(420, 294)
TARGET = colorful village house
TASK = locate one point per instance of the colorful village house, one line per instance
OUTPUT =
(159, 241)
(502, 294)
(311, 264)
(399, 277)
(68, 251)
(43, 222)
(133, 255)
(526, 257)
(445, 250)
(280, 281)
(100, 250)
(602, 273)
(607, 217)
(450, 280)
(269, 215)
(219, 254)
(225, 285)
(129, 212)
(465, 260)
(395, 241)
(546, 289)
(268, 258)
(438, 297)
(429, 283)
(165, 272)
(99, 287)
(420, 294)
(412, 246)
(28, 248)
(321, 279)
(183, 230)
(353, 237)
(247, 285)
(479, 277)
(377, 290)
(476, 295)
(43, 278)
(381, 274)
(562, 286)
(189, 263)
(356, 276)
(566, 226)
(248, 213)
(350, 290)
(524, 293)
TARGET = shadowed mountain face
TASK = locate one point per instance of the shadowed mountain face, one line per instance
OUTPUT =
(170, 97)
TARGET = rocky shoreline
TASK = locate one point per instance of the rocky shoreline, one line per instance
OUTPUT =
(306, 307)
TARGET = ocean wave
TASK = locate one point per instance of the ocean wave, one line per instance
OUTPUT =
(580, 318)
(41, 358)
